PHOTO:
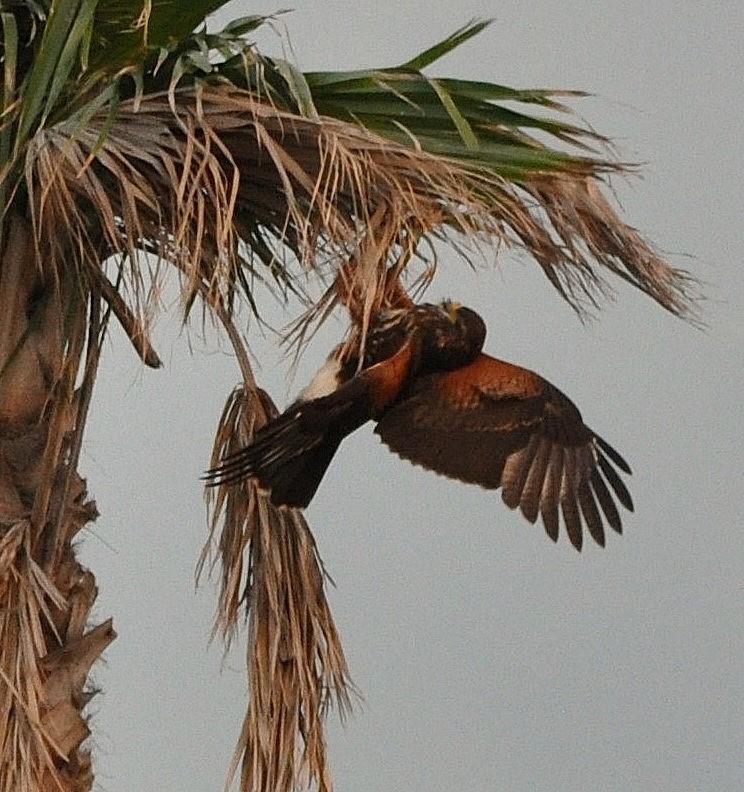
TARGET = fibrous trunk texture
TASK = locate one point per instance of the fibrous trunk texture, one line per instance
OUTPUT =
(46, 644)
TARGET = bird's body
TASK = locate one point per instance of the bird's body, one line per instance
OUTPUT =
(440, 402)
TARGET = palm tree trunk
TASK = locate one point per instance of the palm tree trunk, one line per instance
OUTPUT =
(46, 596)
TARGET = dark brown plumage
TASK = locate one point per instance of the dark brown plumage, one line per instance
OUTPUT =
(443, 404)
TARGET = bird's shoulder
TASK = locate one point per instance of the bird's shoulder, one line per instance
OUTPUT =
(487, 378)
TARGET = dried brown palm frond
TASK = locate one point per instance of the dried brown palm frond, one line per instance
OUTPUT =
(271, 572)
(193, 176)
(583, 221)
(296, 665)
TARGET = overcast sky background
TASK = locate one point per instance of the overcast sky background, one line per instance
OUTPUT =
(488, 657)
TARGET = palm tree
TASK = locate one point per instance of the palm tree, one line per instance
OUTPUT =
(131, 146)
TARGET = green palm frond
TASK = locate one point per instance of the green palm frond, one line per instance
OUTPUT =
(462, 119)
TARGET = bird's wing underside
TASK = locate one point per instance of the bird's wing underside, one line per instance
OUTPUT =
(498, 425)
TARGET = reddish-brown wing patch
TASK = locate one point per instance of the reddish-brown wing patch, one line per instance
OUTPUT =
(498, 425)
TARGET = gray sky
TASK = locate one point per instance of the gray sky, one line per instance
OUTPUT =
(488, 657)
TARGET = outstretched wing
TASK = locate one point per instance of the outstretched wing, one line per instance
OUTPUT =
(290, 455)
(499, 425)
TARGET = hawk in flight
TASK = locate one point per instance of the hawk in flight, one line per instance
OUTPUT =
(440, 402)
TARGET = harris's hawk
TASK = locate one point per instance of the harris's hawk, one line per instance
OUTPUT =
(440, 402)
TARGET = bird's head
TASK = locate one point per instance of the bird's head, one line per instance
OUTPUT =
(452, 335)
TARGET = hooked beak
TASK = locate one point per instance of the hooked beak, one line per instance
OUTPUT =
(451, 308)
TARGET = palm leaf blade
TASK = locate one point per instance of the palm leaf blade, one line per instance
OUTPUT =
(451, 42)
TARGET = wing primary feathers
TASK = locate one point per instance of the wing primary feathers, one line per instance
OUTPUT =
(569, 507)
(549, 514)
(550, 494)
(605, 501)
(615, 482)
(535, 479)
(573, 522)
(515, 472)
(591, 514)
(569, 477)
(585, 462)
(613, 455)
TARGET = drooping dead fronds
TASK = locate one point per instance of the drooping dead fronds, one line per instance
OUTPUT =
(584, 223)
(296, 665)
(232, 190)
